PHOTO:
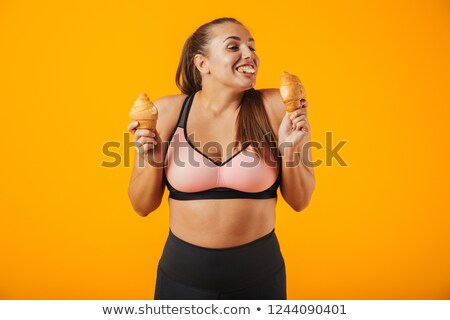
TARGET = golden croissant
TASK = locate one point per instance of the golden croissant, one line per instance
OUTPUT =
(145, 112)
(292, 91)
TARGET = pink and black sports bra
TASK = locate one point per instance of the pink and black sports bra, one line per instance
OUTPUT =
(191, 175)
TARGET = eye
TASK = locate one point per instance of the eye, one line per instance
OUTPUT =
(237, 48)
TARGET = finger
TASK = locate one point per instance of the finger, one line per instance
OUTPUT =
(132, 126)
(307, 128)
(141, 142)
(145, 132)
(142, 132)
(299, 118)
(154, 133)
(147, 147)
(299, 125)
(303, 111)
(144, 140)
(297, 113)
(136, 137)
(144, 147)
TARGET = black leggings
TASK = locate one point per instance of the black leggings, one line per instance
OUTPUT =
(254, 270)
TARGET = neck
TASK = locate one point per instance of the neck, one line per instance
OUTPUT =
(219, 101)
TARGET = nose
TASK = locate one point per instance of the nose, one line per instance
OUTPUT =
(248, 54)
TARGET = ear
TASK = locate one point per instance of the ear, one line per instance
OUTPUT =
(201, 63)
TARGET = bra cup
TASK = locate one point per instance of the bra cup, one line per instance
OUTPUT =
(189, 171)
(248, 173)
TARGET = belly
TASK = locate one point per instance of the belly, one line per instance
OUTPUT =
(222, 223)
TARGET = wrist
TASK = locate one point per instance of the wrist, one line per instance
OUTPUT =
(288, 149)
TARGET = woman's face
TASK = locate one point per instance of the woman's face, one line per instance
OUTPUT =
(231, 57)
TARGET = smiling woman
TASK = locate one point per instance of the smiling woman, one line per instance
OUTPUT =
(221, 242)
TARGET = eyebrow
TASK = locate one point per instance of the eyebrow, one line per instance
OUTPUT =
(237, 38)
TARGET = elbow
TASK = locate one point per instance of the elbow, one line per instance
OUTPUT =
(144, 208)
(144, 211)
(301, 204)
(299, 207)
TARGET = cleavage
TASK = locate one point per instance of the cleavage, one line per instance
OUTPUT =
(213, 140)
(218, 150)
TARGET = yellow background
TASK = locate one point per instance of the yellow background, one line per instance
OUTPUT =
(377, 75)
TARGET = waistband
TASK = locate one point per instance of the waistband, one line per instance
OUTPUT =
(221, 269)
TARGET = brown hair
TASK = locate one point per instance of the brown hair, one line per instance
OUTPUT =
(253, 126)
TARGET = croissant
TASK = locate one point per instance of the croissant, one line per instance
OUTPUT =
(292, 91)
(145, 112)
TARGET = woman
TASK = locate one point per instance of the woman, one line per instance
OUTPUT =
(222, 242)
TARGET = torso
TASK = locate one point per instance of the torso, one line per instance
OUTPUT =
(219, 223)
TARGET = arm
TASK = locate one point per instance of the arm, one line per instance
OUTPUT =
(145, 189)
(146, 186)
(297, 181)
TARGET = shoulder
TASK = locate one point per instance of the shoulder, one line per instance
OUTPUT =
(169, 108)
(171, 103)
(274, 106)
(273, 103)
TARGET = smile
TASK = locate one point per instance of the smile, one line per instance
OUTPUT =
(246, 69)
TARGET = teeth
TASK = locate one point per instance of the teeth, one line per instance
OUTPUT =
(246, 69)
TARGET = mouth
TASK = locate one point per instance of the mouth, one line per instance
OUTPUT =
(246, 69)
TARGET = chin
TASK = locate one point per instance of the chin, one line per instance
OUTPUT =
(244, 84)
(249, 84)
(252, 85)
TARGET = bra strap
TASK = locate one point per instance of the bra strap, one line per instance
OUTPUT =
(185, 110)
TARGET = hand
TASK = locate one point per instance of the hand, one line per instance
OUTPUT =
(294, 131)
(145, 141)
